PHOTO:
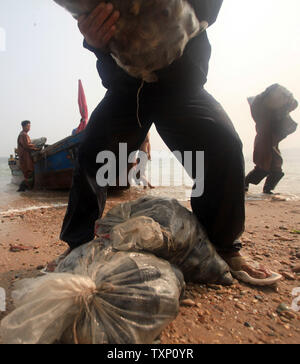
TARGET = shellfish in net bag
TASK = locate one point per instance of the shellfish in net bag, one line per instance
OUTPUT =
(150, 34)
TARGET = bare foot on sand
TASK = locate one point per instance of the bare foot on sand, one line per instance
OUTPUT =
(237, 262)
(249, 271)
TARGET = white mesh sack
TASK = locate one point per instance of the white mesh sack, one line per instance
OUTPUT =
(120, 298)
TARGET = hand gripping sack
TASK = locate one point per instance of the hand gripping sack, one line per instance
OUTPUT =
(121, 298)
(164, 227)
(150, 34)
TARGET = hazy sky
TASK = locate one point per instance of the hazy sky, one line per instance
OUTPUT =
(255, 43)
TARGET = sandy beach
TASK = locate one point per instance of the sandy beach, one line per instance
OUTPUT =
(208, 314)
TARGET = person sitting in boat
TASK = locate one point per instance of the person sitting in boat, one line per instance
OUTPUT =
(25, 147)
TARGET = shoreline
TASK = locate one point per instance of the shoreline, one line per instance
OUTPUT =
(13, 202)
(209, 314)
(31, 208)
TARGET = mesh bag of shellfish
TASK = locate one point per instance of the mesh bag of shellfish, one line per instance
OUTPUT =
(150, 34)
(99, 297)
(164, 227)
(275, 104)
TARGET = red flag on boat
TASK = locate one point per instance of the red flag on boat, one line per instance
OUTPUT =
(82, 108)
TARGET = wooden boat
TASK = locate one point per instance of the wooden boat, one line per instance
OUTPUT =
(53, 166)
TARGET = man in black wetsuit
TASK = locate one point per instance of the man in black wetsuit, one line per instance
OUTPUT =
(186, 117)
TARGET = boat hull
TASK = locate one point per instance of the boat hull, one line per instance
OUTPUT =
(54, 166)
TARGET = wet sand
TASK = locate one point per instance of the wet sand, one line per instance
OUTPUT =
(208, 314)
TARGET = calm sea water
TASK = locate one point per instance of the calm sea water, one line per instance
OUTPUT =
(164, 172)
(11, 200)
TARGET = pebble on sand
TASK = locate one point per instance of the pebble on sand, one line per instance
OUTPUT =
(282, 308)
(297, 269)
(288, 276)
(188, 302)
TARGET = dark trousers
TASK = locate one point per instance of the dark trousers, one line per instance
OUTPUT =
(257, 175)
(274, 174)
(187, 120)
